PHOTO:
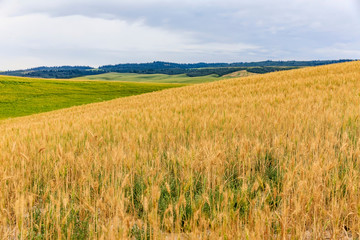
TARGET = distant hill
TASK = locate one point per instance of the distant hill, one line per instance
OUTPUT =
(62, 72)
(158, 67)
(242, 73)
(168, 65)
(151, 78)
(61, 68)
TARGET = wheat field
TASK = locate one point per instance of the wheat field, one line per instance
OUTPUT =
(274, 156)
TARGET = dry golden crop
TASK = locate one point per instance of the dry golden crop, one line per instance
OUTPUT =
(264, 157)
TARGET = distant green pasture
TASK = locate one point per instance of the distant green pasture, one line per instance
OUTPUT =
(153, 78)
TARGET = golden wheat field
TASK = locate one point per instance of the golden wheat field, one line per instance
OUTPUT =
(274, 156)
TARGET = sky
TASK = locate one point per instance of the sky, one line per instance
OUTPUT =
(94, 33)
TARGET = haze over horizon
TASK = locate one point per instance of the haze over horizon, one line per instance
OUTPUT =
(94, 33)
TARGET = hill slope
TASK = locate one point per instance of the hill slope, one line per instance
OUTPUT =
(25, 96)
(263, 157)
(151, 78)
(242, 73)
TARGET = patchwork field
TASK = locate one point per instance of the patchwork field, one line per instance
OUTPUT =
(152, 78)
(242, 73)
(25, 96)
(274, 156)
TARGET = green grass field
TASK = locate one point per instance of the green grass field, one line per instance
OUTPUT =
(153, 78)
(25, 96)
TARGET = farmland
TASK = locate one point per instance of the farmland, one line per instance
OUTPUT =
(24, 96)
(152, 78)
(262, 157)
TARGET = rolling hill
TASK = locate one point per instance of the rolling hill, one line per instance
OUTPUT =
(272, 156)
(151, 78)
(242, 73)
(24, 96)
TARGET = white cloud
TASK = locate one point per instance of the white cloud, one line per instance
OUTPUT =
(70, 37)
(40, 31)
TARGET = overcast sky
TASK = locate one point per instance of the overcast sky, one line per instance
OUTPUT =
(92, 32)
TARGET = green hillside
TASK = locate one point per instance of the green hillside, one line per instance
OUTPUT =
(153, 78)
(25, 96)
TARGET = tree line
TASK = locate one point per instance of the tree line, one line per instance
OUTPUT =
(158, 67)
